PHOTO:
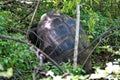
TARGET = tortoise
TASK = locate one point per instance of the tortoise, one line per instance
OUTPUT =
(55, 35)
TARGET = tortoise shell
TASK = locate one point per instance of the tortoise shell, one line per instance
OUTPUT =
(55, 35)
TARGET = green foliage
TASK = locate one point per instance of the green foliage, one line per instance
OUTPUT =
(110, 49)
(96, 17)
(74, 74)
(13, 54)
(7, 18)
(65, 66)
(16, 55)
(68, 67)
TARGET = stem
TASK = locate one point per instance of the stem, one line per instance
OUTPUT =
(77, 36)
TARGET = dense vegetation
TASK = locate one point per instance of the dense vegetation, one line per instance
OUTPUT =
(101, 21)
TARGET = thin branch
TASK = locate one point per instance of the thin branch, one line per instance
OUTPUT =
(77, 36)
(103, 34)
(14, 39)
(33, 17)
(91, 52)
(100, 40)
(8, 28)
(28, 13)
(29, 44)
(24, 17)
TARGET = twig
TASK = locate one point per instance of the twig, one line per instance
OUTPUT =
(77, 36)
(23, 18)
(14, 39)
(91, 52)
(15, 30)
(29, 44)
(100, 39)
(110, 29)
(33, 17)
(28, 13)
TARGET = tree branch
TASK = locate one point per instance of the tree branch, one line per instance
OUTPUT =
(100, 36)
(29, 44)
(91, 52)
(100, 40)
(28, 13)
(76, 36)
(33, 17)
(14, 39)
(11, 29)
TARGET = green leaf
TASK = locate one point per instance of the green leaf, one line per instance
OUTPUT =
(97, 1)
(8, 73)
